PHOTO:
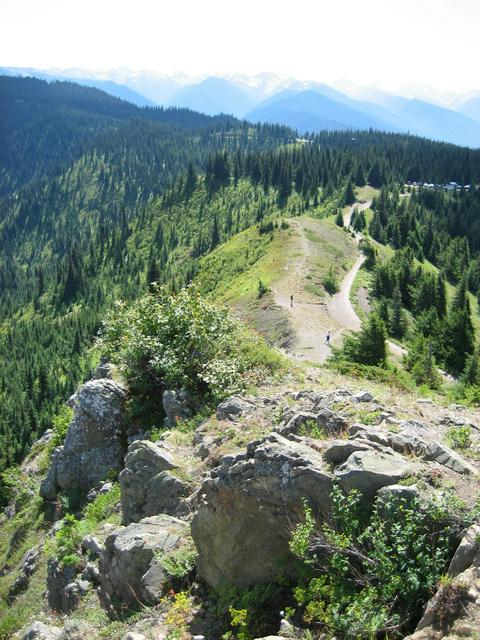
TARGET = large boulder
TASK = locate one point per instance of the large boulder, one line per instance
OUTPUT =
(467, 551)
(369, 471)
(445, 456)
(234, 407)
(131, 570)
(95, 441)
(39, 631)
(147, 487)
(248, 506)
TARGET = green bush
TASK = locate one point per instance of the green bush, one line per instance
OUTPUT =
(369, 576)
(368, 346)
(249, 613)
(180, 340)
(68, 539)
(180, 562)
(330, 282)
(103, 506)
(262, 289)
(420, 362)
(459, 437)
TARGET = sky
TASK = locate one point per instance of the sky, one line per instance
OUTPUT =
(388, 43)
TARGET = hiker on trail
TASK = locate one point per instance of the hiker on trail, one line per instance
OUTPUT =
(291, 300)
(327, 338)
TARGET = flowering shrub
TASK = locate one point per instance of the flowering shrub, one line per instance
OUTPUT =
(167, 340)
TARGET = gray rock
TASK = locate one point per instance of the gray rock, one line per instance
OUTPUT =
(407, 441)
(45, 439)
(296, 423)
(445, 456)
(93, 445)
(331, 422)
(49, 486)
(370, 434)
(91, 573)
(92, 545)
(105, 369)
(165, 494)
(466, 552)
(131, 635)
(78, 630)
(363, 396)
(58, 578)
(369, 471)
(73, 593)
(234, 407)
(130, 554)
(178, 405)
(147, 487)
(248, 505)
(338, 451)
(39, 631)
(30, 560)
(393, 494)
(29, 566)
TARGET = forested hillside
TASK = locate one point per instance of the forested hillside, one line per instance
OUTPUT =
(100, 198)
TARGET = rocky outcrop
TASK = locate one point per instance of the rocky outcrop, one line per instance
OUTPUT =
(178, 405)
(29, 566)
(454, 611)
(438, 452)
(64, 589)
(248, 507)
(234, 407)
(297, 423)
(411, 439)
(39, 631)
(131, 569)
(369, 471)
(467, 551)
(73, 630)
(94, 444)
(104, 369)
(337, 451)
(147, 486)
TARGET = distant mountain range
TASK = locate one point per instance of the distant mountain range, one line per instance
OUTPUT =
(305, 106)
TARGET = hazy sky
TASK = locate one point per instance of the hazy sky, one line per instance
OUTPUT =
(390, 42)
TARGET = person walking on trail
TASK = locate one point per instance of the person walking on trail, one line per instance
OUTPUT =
(327, 338)
(291, 300)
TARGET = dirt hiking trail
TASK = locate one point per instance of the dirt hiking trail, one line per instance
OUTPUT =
(314, 245)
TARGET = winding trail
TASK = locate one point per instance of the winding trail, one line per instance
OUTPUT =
(310, 318)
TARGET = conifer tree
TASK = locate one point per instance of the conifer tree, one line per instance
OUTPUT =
(349, 194)
(369, 345)
(398, 320)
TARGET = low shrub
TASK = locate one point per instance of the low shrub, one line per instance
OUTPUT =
(369, 576)
(459, 437)
(330, 282)
(167, 340)
(103, 506)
